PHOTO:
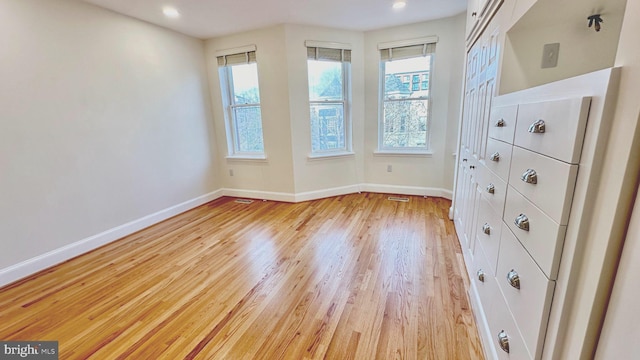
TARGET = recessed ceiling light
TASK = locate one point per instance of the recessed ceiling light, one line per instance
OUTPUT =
(170, 12)
(399, 4)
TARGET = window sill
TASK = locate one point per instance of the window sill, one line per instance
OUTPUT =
(416, 153)
(332, 155)
(256, 158)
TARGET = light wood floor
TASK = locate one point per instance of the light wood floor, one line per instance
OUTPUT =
(349, 277)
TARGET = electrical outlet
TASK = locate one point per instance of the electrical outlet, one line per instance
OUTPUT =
(550, 55)
(389, 168)
(230, 172)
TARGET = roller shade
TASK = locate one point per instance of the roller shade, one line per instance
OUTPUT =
(241, 55)
(407, 48)
(317, 50)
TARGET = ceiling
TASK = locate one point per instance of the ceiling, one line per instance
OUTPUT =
(211, 18)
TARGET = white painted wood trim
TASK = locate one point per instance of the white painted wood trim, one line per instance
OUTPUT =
(327, 44)
(481, 323)
(51, 258)
(408, 190)
(236, 50)
(410, 42)
(57, 256)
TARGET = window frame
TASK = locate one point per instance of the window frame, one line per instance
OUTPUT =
(230, 106)
(409, 150)
(345, 102)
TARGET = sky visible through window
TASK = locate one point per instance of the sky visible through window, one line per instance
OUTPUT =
(407, 65)
(245, 83)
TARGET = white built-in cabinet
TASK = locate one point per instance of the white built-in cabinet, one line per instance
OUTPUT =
(526, 169)
(479, 13)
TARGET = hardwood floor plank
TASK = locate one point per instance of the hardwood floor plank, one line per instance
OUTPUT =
(348, 277)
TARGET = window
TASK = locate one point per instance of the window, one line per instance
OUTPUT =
(241, 99)
(329, 95)
(405, 111)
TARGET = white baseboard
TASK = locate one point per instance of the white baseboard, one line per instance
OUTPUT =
(407, 190)
(51, 258)
(261, 195)
(350, 189)
(319, 194)
(481, 323)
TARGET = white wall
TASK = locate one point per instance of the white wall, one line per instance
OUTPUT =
(582, 49)
(436, 171)
(621, 328)
(325, 173)
(288, 174)
(276, 173)
(105, 120)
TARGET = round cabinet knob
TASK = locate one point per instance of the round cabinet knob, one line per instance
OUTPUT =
(472, 167)
(486, 228)
(480, 274)
(491, 189)
(514, 279)
(503, 341)
(495, 156)
(500, 123)
(530, 176)
(522, 222)
(537, 127)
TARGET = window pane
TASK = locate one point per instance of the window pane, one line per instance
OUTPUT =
(405, 69)
(327, 127)
(405, 123)
(325, 80)
(245, 84)
(248, 127)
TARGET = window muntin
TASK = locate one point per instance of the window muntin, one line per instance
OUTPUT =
(405, 111)
(243, 112)
(329, 94)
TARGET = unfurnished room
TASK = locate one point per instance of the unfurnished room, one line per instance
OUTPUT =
(362, 179)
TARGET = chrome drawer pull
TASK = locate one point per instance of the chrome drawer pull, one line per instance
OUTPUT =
(503, 340)
(480, 274)
(486, 228)
(522, 222)
(537, 127)
(500, 123)
(495, 156)
(530, 176)
(491, 189)
(514, 279)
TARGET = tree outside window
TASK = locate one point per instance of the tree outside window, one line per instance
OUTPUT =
(405, 115)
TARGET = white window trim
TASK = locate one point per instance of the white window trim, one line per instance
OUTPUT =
(333, 155)
(410, 42)
(230, 131)
(410, 151)
(236, 50)
(403, 152)
(346, 102)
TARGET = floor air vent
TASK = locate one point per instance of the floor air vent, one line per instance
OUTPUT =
(244, 201)
(398, 198)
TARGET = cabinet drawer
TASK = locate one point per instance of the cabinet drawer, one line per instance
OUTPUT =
(494, 189)
(489, 227)
(484, 280)
(502, 123)
(501, 321)
(498, 158)
(564, 125)
(544, 237)
(546, 182)
(528, 293)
